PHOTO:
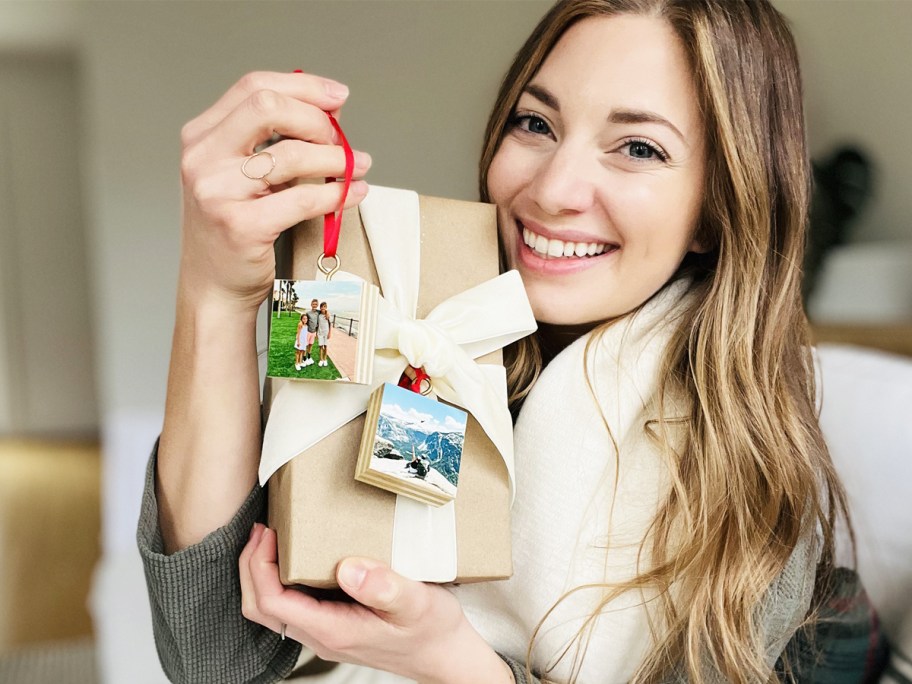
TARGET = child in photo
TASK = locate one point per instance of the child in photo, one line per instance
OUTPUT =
(300, 342)
(324, 332)
(312, 322)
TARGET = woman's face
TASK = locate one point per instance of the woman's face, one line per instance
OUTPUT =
(599, 178)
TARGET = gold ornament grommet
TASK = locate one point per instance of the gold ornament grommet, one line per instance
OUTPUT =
(324, 269)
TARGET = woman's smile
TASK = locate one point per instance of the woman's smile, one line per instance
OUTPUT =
(550, 251)
(546, 243)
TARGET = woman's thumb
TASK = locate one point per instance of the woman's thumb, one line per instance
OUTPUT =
(376, 586)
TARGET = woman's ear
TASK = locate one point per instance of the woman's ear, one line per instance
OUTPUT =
(702, 240)
(697, 247)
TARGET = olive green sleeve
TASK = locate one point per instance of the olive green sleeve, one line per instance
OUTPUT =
(519, 671)
(195, 595)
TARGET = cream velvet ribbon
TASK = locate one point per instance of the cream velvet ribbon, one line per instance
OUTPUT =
(466, 326)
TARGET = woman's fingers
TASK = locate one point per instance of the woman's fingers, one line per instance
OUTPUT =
(322, 93)
(268, 601)
(375, 585)
(258, 118)
(310, 621)
(234, 205)
(278, 211)
(249, 608)
(240, 178)
(295, 159)
(380, 631)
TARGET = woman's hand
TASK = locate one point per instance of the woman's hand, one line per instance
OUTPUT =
(230, 222)
(210, 443)
(410, 628)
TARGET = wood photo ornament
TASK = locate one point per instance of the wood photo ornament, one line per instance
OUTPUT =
(412, 444)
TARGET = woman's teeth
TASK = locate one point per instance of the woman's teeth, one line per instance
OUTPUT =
(558, 248)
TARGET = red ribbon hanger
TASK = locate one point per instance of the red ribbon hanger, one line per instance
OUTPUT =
(332, 222)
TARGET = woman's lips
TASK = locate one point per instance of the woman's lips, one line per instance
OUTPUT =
(552, 255)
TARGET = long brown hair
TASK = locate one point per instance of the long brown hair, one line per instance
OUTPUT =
(753, 476)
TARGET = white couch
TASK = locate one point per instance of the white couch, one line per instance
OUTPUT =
(866, 416)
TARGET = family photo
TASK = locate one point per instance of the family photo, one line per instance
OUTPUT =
(314, 330)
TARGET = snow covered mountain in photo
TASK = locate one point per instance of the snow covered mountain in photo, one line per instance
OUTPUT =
(397, 433)
(441, 450)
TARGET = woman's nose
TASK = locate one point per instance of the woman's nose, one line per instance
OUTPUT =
(563, 184)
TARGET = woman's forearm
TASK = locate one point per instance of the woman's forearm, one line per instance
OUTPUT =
(210, 443)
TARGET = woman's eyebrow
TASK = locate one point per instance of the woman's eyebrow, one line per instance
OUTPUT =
(617, 116)
(543, 95)
(634, 116)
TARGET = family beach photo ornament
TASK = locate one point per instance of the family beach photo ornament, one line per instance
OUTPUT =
(322, 330)
(412, 445)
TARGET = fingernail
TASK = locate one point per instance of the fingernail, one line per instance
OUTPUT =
(256, 534)
(362, 158)
(298, 71)
(359, 187)
(352, 574)
(336, 89)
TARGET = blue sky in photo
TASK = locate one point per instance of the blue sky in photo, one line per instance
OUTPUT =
(342, 297)
(419, 412)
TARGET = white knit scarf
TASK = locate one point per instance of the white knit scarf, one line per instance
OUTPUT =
(578, 520)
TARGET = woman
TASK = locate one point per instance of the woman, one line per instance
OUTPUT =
(648, 162)
(324, 332)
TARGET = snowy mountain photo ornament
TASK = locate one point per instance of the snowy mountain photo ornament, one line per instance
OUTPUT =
(412, 445)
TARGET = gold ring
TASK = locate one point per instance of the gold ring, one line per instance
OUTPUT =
(262, 176)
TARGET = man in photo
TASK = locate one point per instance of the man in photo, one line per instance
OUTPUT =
(313, 317)
(417, 465)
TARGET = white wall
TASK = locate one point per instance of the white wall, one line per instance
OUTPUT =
(26, 25)
(855, 58)
(49, 383)
(32, 35)
(7, 417)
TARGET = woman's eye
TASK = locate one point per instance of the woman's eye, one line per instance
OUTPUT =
(642, 150)
(532, 124)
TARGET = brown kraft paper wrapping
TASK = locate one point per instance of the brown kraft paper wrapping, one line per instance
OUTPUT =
(321, 514)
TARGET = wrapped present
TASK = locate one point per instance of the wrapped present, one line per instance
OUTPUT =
(443, 308)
